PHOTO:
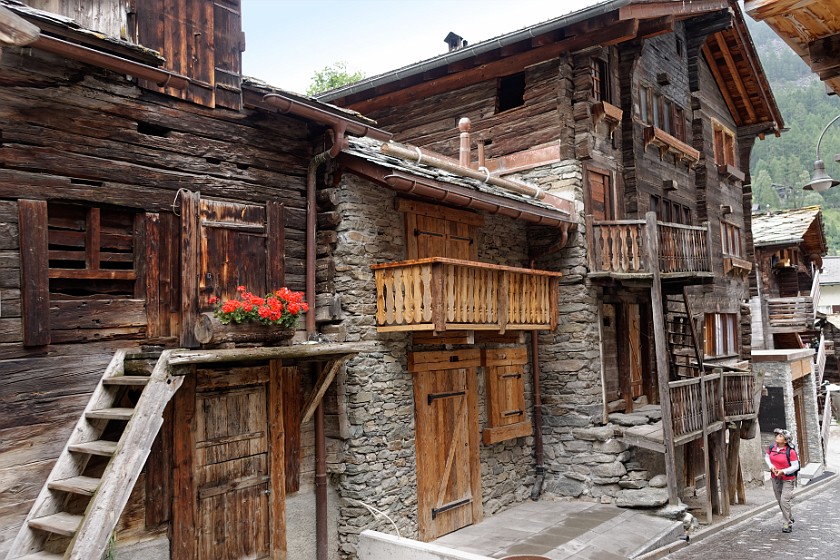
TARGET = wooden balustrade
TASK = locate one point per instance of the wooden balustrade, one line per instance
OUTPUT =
(443, 294)
(686, 401)
(791, 314)
(620, 247)
(738, 395)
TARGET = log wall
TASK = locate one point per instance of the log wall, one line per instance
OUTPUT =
(76, 135)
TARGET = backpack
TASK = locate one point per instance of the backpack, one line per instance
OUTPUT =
(790, 463)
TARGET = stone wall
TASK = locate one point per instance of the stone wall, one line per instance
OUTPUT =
(379, 456)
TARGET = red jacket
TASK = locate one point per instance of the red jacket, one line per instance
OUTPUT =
(778, 458)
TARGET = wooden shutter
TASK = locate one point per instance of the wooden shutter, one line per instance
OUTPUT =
(505, 375)
(34, 265)
(439, 231)
(229, 44)
(600, 195)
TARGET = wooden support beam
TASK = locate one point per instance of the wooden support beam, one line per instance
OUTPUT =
(609, 35)
(321, 386)
(298, 352)
(724, 91)
(667, 8)
(34, 272)
(662, 358)
(735, 76)
(761, 9)
(658, 26)
(824, 54)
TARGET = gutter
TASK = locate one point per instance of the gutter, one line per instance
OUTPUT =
(475, 50)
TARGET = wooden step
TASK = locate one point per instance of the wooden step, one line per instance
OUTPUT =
(110, 414)
(82, 485)
(42, 556)
(98, 447)
(60, 523)
(137, 380)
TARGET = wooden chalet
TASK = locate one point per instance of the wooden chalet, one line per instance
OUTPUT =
(643, 113)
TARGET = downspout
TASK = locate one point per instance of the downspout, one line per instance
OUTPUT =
(321, 537)
(538, 439)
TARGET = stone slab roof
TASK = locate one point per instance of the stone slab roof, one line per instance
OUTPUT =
(830, 271)
(369, 149)
(786, 227)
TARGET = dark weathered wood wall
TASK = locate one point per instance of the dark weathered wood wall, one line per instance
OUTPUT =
(80, 136)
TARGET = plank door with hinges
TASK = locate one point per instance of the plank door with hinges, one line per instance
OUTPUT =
(236, 453)
(446, 420)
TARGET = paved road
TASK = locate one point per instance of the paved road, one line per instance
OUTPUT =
(815, 536)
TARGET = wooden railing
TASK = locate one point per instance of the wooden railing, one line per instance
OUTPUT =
(738, 395)
(686, 401)
(795, 314)
(444, 294)
(819, 360)
(626, 247)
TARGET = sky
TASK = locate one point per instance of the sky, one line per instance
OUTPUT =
(287, 41)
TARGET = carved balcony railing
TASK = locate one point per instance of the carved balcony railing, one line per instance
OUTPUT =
(442, 294)
(795, 314)
(687, 400)
(627, 248)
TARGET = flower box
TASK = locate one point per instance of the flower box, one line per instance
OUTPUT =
(208, 329)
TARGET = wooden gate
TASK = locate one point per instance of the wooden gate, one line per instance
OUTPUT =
(231, 474)
(446, 419)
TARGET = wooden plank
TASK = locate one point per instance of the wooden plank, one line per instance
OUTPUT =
(190, 202)
(278, 462)
(444, 359)
(301, 352)
(437, 211)
(275, 270)
(34, 270)
(321, 386)
(501, 433)
(62, 523)
(151, 258)
(291, 395)
(184, 492)
(158, 483)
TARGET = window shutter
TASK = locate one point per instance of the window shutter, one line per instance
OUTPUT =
(34, 269)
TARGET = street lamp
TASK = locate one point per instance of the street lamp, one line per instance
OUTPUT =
(820, 180)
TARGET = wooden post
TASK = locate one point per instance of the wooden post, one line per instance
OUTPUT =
(190, 203)
(734, 464)
(464, 149)
(662, 371)
(438, 297)
(704, 414)
(34, 271)
(723, 460)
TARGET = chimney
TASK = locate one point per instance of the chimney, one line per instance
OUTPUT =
(455, 42)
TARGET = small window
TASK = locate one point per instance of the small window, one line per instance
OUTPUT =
(724, 144)
(511, 92)
(680, 47)
(721, 334)
(730, 240)
(644, 102)
(678, 122)
(600, 81)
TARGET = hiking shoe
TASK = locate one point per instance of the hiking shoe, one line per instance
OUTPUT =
(786, 529)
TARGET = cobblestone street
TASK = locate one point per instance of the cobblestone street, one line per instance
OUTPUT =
(815, 536)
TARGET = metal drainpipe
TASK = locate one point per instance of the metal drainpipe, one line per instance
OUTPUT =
(538, 440)
(321, 537)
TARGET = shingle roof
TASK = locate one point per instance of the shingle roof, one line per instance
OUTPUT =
(830, 271)
(783, 227)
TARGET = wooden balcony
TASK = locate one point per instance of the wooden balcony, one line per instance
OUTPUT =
(795, 314)
(738, 396)
(439, 294)
(632, 248)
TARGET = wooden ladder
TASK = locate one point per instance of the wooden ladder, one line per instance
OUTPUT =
(685, 347)
(84, 496)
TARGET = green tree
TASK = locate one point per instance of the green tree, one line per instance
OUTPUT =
(331, 77)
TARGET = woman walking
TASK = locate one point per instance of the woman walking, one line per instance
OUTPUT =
(783, 461)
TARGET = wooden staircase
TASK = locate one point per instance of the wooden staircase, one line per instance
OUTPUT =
(685, 347)
(84, 496)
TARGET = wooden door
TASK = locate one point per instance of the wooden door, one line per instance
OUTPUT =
(236, 491)
(600, 195)
(634, 348)
(446, 418)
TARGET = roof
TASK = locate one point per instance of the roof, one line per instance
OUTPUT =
(830, 271)
(788, 227)
(729, 51)
(448, 187)
(810, 28)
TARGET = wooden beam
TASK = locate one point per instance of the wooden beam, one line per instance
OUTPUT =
(649, 10)
(190, 247)
(658, 26)
(610, 35)
(16, 31)
(662, 358)
(824, 54)
(724, 91)
(34, 272)
(321, 386)
(761, 9)
(735, 76)
(300, 352)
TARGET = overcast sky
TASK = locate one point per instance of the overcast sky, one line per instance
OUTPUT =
(287, 41)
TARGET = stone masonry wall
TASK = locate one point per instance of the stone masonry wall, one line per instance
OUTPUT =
(379, 456)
